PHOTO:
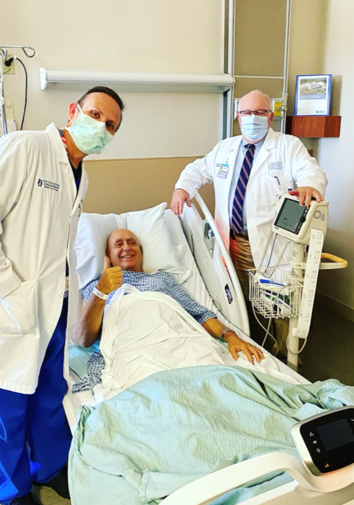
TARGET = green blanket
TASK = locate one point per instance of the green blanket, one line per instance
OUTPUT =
(179, 425)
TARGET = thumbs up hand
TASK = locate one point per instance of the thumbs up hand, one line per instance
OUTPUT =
(111, 278)
(107, 263)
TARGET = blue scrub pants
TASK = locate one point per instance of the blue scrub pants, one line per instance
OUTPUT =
(34, 434)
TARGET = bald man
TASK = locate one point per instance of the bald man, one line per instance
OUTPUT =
(249, 172)
(123, 265)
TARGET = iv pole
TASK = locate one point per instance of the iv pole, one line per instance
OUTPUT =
(3, 55)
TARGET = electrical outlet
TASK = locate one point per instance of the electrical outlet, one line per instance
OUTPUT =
(8, 70)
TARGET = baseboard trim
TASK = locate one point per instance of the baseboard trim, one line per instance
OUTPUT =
(337, 307)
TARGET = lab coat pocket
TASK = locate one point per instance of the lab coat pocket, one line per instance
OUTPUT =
(271, 188)
(18, 310)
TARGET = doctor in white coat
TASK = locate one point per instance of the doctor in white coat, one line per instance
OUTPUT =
(42, 185)
(254, 167)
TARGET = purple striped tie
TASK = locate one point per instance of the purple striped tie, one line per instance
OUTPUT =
(237, 208)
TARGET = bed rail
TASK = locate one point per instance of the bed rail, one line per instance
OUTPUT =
(205, 490)
(214, 264)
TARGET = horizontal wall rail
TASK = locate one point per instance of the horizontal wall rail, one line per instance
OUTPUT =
(140, 82)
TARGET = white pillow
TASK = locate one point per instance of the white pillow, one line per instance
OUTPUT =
(150, 228)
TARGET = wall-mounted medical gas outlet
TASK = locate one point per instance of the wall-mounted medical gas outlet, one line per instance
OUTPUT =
(9, 69)
(278, 107)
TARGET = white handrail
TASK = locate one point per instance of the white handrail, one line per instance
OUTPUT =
(203, 491)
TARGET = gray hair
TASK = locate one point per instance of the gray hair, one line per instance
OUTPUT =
(258, 92)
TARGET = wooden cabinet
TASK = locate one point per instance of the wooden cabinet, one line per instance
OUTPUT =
(313, 126)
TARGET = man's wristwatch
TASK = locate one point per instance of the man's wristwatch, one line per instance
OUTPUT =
(222, 336)
(99, 293)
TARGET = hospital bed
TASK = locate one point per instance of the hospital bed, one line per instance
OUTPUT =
(213, 283)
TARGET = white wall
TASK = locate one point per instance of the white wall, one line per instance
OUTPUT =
(336, 155)
(168, 36)
(306, 47)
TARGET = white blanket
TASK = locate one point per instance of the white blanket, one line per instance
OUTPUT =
(147, 332)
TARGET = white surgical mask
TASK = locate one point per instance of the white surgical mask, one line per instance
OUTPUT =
(89, 135)
(254, 127)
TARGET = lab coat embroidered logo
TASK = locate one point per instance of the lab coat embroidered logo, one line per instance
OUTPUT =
(54, 186)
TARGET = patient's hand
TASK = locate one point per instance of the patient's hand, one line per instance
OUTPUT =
(236, 344)
(111, 278)
(178, 198)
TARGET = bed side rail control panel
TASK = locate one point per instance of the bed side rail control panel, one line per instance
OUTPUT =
(326, 441)
(209, 237)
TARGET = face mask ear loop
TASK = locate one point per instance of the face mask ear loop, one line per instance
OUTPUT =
(79, 109)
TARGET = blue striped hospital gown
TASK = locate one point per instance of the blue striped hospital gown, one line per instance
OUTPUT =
(161, 282)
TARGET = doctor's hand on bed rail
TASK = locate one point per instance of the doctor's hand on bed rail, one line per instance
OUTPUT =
(235, 343)
(111, 278)
(178, 198)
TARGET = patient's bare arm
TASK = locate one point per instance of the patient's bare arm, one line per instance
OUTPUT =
(90, 322)
(235, 343)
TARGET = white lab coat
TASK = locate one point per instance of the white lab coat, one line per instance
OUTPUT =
(282, 159)
(39, 211)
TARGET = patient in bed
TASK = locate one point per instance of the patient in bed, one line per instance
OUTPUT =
(123, 267)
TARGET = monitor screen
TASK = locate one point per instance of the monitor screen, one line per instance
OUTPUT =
(336, 434)
(289, 217)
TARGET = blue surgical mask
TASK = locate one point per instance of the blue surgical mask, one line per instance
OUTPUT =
(254, 127)
(89, 135)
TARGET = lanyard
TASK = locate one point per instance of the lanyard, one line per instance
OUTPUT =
(77, 180)
(62, 136)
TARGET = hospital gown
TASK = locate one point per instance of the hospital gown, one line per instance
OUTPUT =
(161, 282)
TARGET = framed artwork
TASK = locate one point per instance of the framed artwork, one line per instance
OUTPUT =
(313, 95)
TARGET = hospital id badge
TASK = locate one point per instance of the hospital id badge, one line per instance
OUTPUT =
(223, 170)
(66, 292)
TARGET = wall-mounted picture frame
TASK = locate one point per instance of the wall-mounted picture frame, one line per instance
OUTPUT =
(313, 95)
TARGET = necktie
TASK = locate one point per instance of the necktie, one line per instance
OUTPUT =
(237, 208)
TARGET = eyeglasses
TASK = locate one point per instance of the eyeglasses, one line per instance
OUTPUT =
(260, 112)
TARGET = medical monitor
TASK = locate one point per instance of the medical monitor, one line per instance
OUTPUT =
(291, 216)
(295, 223)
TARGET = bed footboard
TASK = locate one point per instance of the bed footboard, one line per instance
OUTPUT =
(335, 488)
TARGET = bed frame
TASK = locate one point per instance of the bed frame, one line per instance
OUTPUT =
(221, 280)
